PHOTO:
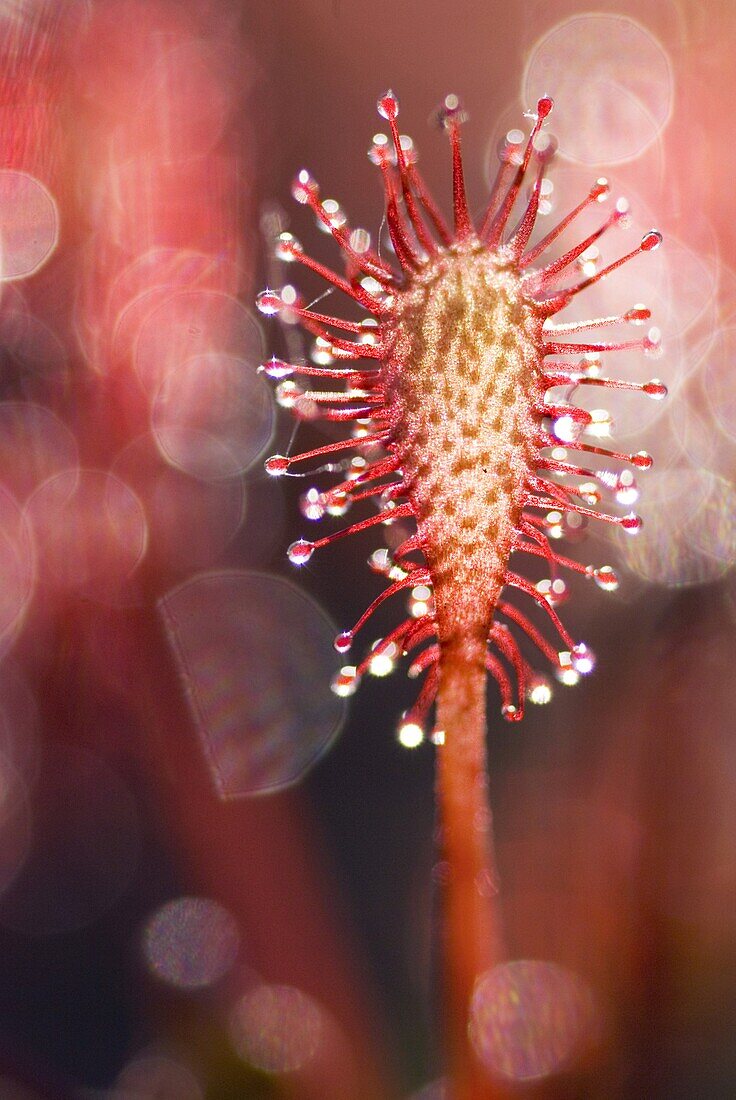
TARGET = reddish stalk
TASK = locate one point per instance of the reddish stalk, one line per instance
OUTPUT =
(457, 394)
(472, 939)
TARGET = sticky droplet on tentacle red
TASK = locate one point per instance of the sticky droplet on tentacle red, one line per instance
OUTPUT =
(449, 379)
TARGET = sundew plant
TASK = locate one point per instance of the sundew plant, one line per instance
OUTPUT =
(458, 386)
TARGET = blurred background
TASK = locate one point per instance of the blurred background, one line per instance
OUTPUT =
(215, 874)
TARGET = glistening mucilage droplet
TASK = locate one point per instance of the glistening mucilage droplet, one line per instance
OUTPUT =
(457, 431)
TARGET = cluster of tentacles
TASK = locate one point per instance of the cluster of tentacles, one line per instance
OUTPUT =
(455, 423)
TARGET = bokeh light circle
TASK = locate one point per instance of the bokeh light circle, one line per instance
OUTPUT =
(277, 1028)
(213, 416)
(29, 224)
(529, 1017)
(612, 84)
(156, 1076)
(190, 522)
(154, 277)
(90, 531)
(189, 324)
(689, 534)
(690, 289)
(719, 381)
(34, 445)
(169, 269)
(184, 102)
(191, 942)
(257, 655)
(694, 438)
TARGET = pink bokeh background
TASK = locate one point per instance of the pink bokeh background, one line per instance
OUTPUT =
(215, 876)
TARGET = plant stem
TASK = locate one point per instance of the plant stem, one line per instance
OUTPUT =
(471, 932)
